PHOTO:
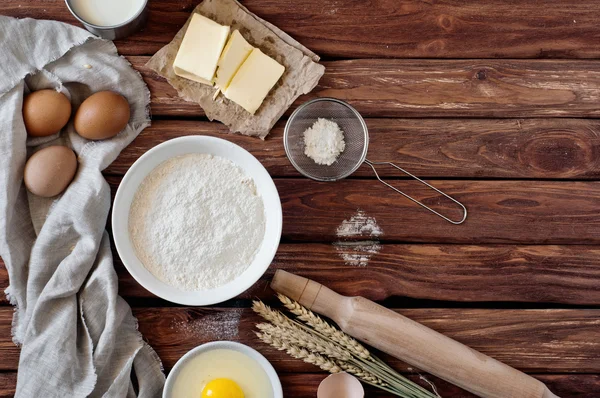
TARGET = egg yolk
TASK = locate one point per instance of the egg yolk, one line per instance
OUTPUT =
(222, 388)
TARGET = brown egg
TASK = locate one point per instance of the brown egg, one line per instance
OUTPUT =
(340, 385)
(102, 115)
(49, 171)
(45, 112)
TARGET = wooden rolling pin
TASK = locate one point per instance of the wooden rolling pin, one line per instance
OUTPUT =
(412, 342)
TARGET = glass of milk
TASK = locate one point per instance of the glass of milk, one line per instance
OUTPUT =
(110, 19)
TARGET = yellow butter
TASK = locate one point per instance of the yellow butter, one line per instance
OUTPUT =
(200, 49)
(253, 80)
(235, 53)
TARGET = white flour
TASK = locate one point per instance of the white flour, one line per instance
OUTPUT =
(216, 326)
(359, 225)
(353, 252)
(359, 253)
(196, 221)
(324, 142)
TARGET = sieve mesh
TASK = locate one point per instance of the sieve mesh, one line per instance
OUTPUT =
(352, 124)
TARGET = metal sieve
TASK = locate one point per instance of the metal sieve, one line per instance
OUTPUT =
(356, 136)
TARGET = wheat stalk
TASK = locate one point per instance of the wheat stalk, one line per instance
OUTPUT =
(271, 315)
(323, 345)
(306, 340)
(316, 344)
(321, 326)
(322, 362)
(324, 328)
(363, 374)
(300, 353)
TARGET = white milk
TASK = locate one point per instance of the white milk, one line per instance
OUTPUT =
(106, 12)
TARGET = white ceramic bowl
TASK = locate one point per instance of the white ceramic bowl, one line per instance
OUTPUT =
(180, 146)
(228, 345)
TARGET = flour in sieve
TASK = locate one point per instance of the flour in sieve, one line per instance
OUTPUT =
(196, 221)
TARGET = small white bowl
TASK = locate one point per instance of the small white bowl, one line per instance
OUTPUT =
(208, 145)
(228, 345)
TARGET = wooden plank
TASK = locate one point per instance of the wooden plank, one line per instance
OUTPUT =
(471, 148)
(387, 28)
(437, 88)
(566, 386)
(536, 274)
(8, 384)
(459, 273)
(525, 212)
(3, 282)
(305, 385)
(543, 341)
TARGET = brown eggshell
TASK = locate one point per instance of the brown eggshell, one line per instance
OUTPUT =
(340, 385)
(45, 112)
(102, 115)
(49, 171)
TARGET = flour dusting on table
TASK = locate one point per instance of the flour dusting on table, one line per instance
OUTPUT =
(358, 252)
(359, 225)
(196, 221)
(219, 326)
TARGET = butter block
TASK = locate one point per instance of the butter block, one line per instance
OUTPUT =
(200, 50)
(235, 53)
(253, 81)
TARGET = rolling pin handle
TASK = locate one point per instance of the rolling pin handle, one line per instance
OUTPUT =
(313, 296)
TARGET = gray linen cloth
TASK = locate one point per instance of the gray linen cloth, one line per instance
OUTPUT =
(78, 337)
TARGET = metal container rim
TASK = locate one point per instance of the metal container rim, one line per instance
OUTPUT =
(359, 118)
(100, 27)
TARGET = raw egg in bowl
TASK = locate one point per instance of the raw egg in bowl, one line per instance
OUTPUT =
(223, 369)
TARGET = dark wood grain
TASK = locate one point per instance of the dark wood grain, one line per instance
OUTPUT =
(387, 28)
(472, 148)
(459, 273)
(525, 241)
(432, 88)
(8, 383)
(3, 282)
(537, 274)
(565, 386)
(305, 385)
(543, 341)
(525, 212)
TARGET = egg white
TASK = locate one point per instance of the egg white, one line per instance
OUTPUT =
(222, 363)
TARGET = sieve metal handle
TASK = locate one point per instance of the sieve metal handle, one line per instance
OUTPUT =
(372, 164)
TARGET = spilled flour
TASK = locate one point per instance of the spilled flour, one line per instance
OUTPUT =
(359, 225)
(219, 326)
(358, 252)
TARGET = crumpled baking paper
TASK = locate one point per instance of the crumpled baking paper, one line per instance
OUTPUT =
(302, 72)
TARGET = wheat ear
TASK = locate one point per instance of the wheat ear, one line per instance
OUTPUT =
(283, 341)
(321, 326)
(325, 329)
(306, 340)
(271, 315)
(300, 353)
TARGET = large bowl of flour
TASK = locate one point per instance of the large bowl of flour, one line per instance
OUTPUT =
(197, 220)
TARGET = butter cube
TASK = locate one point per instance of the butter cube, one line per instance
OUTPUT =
(235, 53)
(253, 81)
(200, 50)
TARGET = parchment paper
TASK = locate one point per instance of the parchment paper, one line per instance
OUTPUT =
(302, 72)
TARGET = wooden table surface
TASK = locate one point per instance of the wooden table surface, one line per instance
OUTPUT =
(495, 101)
